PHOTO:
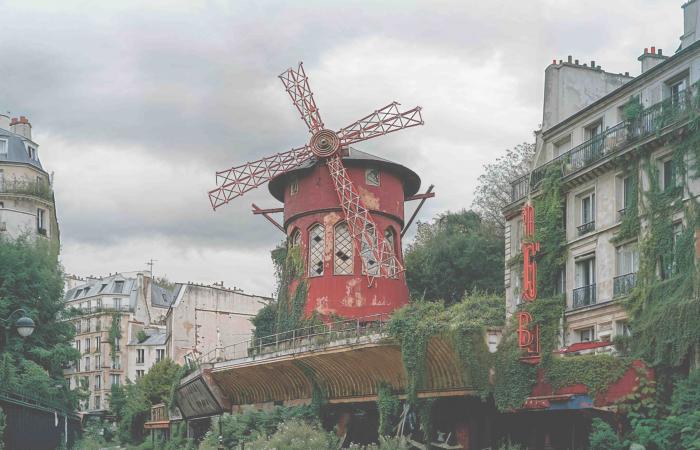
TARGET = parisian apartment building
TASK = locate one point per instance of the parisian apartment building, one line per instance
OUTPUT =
(126, 322)
(27, 205)
(588, 134)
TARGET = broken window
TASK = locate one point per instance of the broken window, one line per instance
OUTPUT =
(343, 257)
(390, 238)
(295, 238)
(316, 247)
(372, 177)
(371, 265)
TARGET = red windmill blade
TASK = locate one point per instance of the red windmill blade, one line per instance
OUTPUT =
(377, 255)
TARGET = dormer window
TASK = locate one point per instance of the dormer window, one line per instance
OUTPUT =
(3, 147)
(118, 287)
(31, 151)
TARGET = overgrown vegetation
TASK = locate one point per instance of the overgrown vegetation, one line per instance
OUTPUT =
(32, 278)
(114, 334)
(463, 324)
(454, 255)
(388, 406)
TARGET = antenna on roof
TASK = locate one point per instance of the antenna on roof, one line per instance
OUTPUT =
(150, 264)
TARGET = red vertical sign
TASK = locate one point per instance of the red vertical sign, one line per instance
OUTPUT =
(528, 335)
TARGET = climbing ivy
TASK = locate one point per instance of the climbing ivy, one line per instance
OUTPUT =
(115, 332)
(292, 288)
(630, 224)
(463, 325)
(388, 407)
(550, 233)
(594, 371)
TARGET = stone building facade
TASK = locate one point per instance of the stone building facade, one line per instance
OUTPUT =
(27, 204)
(587, 132)
(119, 329)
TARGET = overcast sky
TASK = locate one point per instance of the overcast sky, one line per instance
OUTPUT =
(135, 105)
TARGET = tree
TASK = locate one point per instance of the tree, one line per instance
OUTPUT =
(456, 254)
(492, 193)
(31, 278)
(156, 383)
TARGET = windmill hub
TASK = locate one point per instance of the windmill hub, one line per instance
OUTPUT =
(325, 143)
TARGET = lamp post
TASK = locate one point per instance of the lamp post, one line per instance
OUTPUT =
(25, 326)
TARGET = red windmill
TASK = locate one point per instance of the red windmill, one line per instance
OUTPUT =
(379, 259)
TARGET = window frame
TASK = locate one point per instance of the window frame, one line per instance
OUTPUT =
(337, 261)
(316, 249)
(371, 182)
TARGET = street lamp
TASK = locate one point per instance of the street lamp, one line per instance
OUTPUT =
(25, 326)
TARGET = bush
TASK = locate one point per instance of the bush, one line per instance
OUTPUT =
(296, 435)
(603, 437)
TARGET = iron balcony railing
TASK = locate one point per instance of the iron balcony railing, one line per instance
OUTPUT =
(649, 121)
(39, 189)
(301, 339)
(623, 284)
(584, 296)
(586, 228)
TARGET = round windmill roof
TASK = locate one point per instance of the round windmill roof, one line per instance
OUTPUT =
(355, 157)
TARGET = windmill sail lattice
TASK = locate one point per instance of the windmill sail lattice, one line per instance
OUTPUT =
(378, 256)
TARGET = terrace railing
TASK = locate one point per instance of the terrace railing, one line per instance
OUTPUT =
(584, 296)
(39, 189)
(623, 284)
(649, 121)
(301, 339)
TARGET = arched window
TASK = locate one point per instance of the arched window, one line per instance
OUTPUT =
(371, 265)
(295, 238)
(316, 247)
(343, 255)
(390, 238)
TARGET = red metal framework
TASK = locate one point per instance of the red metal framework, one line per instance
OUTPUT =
(327, 144)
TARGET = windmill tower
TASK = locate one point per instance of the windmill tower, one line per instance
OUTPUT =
(344, 207)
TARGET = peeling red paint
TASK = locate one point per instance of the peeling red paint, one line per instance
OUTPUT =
(317, 202)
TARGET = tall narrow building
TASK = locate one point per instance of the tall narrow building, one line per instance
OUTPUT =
(27, 205)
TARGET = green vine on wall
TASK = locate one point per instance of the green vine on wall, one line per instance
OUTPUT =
(115, 333)
(388, 407)
(290, 304)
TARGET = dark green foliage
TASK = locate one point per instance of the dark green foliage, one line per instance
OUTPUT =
(157, 381)
(115, 332)
(291, 290)
(2, 428)
(251, 424)
(265, 321)
(31, 278)
(462, 324)
(603, 437)
(597, 372)
(549, 231)
(141, 336)
(296, 435)
(388, 406)
(117, 400)
(453, 256)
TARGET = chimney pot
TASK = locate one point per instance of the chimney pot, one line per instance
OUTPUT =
(560, 61)
(592, 63)
(646, 50)
(627, 74)
(554, 61)
(576, 62)
(569, 58)
(661, 52)
(653, 50)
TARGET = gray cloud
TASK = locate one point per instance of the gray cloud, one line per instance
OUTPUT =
(135, 106)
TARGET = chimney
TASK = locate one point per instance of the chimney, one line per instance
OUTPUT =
(21, 126)
(691, 19)
(651, 58)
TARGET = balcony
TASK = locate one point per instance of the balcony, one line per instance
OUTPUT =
(623, 284)
(651, 120)
(586, 228)
(584, 296)
(24, 187)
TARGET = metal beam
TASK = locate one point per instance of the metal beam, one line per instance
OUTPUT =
(266, 214)
(428, 194)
